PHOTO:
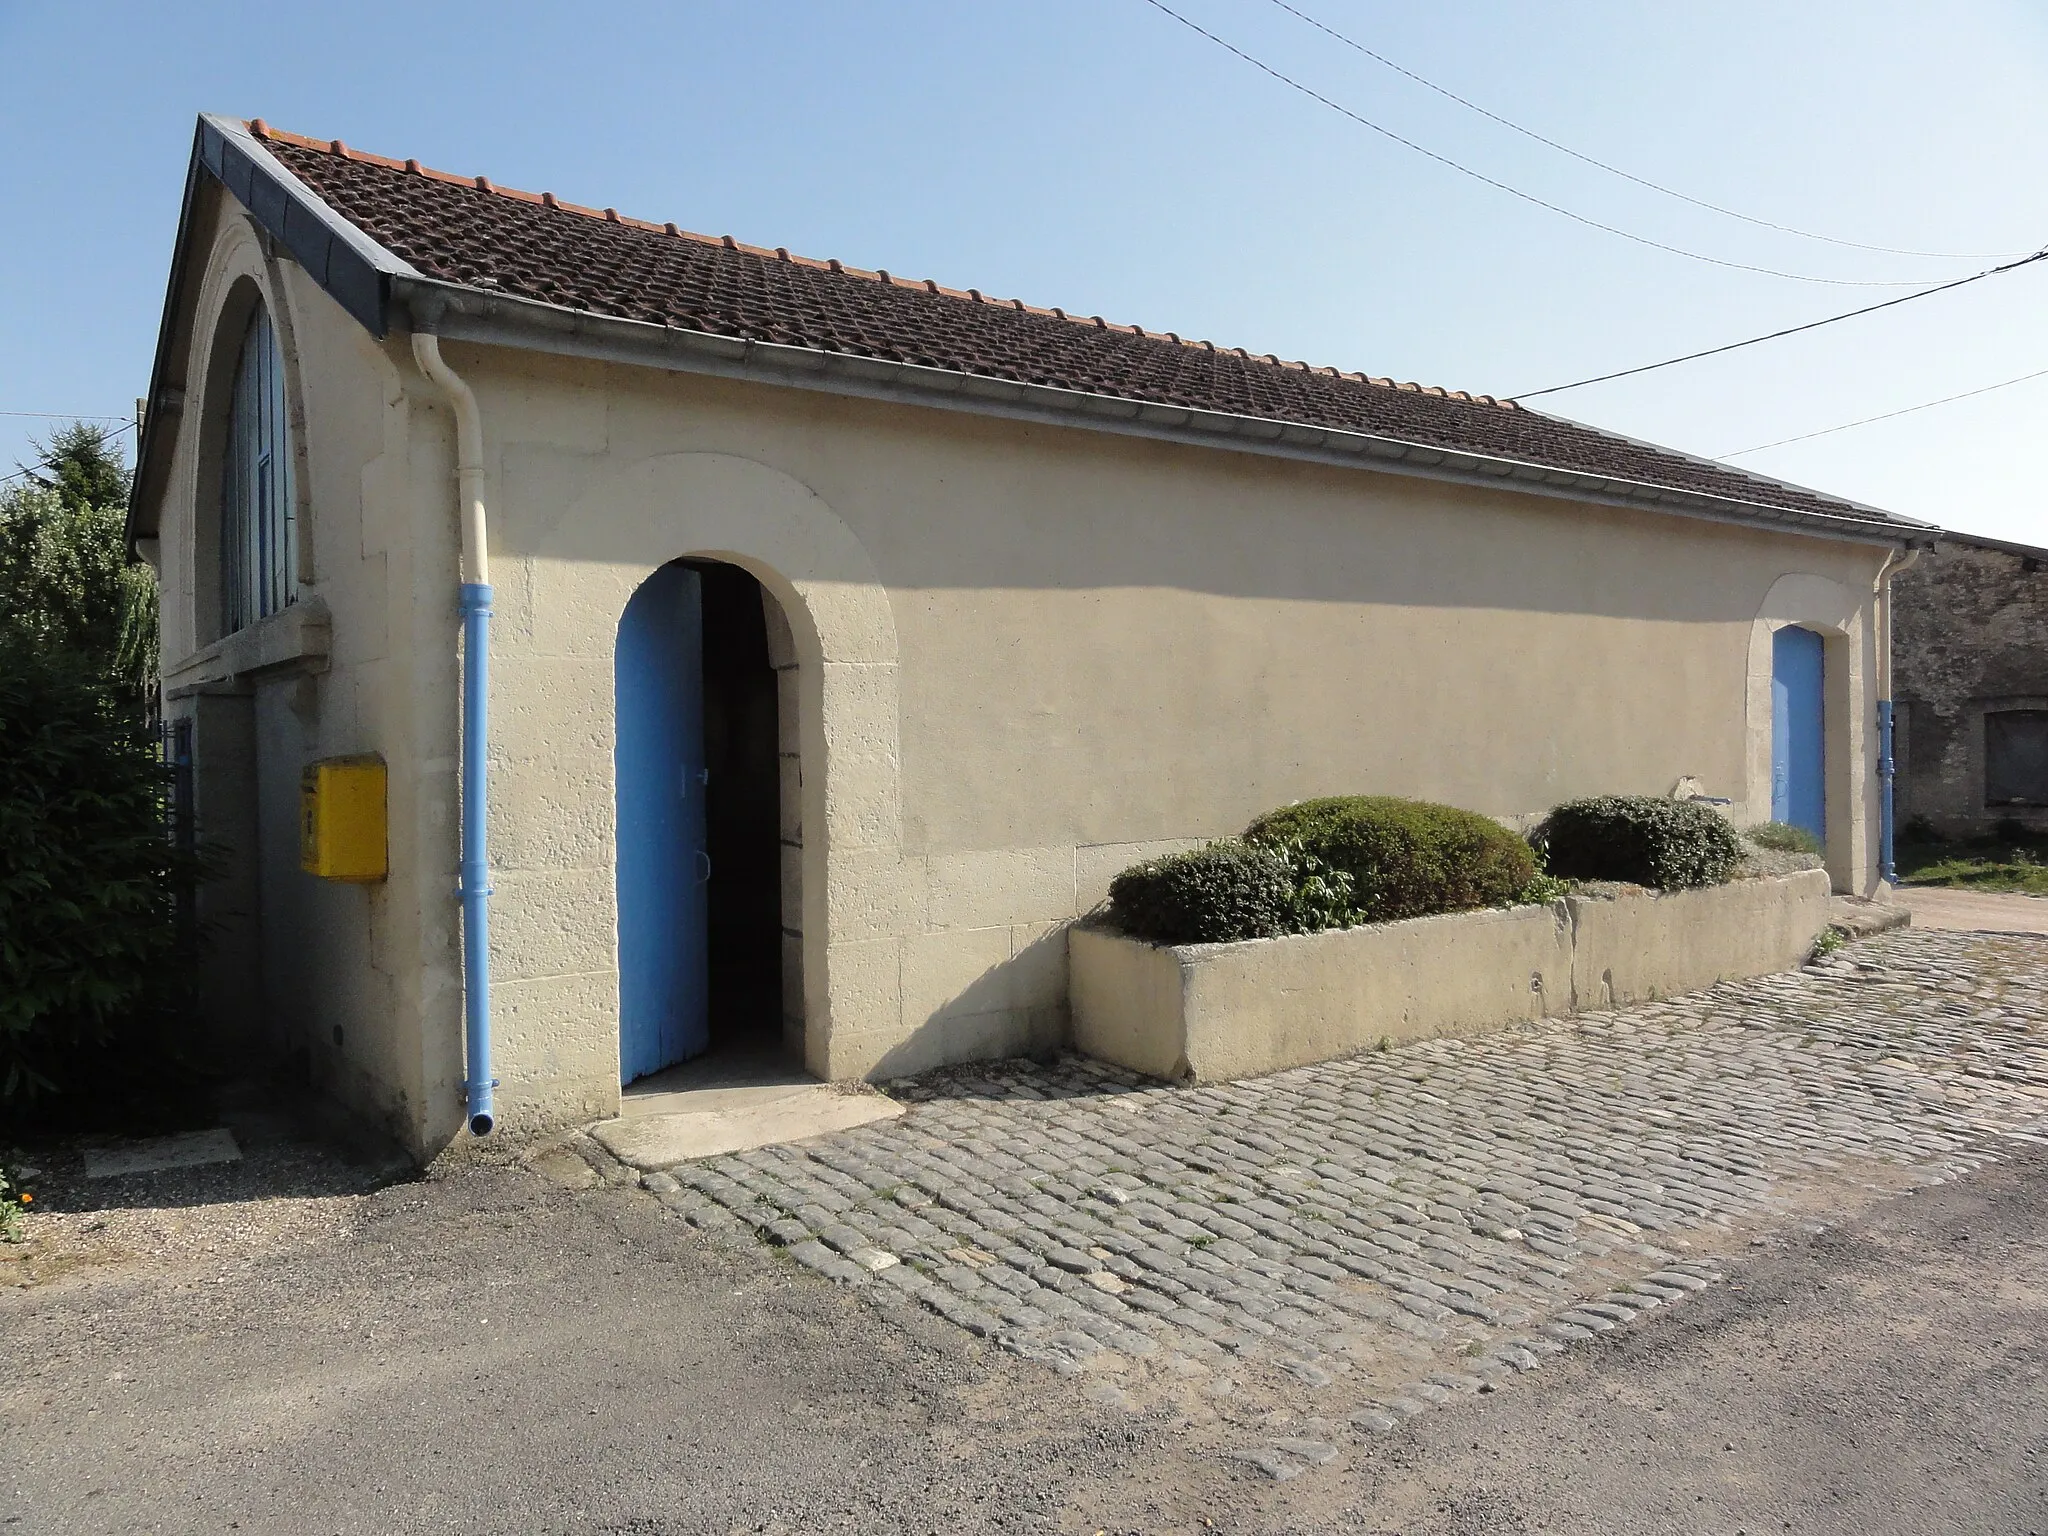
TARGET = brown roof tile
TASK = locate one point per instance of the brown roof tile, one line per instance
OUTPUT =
(535, 246)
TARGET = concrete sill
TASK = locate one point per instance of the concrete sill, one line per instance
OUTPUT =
(297, 639)
(1206, 1012)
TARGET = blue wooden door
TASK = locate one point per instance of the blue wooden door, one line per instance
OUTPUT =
(1798, 733)
(662, 864)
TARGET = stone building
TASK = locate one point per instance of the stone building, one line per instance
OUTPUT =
(847, 633)
(1970, 675)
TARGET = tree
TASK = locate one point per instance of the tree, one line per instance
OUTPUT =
(82, 465)
(94, 984)
(95, 979)
(66, 581)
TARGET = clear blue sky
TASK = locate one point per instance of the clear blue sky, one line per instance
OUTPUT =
(1094, 154)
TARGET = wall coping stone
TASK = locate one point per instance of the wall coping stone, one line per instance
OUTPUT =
(1204, 1012)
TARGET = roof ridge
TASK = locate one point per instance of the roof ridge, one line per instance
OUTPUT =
(263, 132)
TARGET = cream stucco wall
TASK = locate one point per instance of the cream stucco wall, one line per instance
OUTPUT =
(1031, 656)
(1017, 659)
(357, 989)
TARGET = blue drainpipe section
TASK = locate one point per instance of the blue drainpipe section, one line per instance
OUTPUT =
(475, 889)
(1887, 870)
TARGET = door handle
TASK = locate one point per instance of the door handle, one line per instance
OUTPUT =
(705, 877)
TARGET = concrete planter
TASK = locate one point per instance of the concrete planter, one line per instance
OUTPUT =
(1212, 1011)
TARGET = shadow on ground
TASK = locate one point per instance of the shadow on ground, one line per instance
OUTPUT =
(291, 1152)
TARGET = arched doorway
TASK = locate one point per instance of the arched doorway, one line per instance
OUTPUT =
(699, 837)
(1798, 730)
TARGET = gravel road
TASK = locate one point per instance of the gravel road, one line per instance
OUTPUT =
(487, 1352)
(1888, 1377)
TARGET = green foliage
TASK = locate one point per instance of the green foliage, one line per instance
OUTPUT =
(1827, 941)
(1667, 844)
(81, 464)
(65, 578)
(1324, 896)
(1209, 895)
(1918, 829)
(92, 976)
(14, 1204)
(1995, 863)
(1783, 837)
(1231, 890)
(1542, 889)
(1406, 858)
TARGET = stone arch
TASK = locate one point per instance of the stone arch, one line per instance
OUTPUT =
(231, 763)
(1841, 615)
(241, 273)
(841, 639)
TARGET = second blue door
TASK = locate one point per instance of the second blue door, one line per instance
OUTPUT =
(663, 868)
(1798, 731)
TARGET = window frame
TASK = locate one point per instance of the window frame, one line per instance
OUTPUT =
(258, 511)
(1994, 723)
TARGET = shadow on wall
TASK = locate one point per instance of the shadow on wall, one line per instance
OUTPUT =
(1014, 1008)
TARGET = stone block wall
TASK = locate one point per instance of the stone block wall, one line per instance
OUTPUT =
(1969, 641)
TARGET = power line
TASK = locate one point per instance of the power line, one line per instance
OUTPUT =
(1615, 170)
(66, 416)
(1790, 330)
(28, 471)
(1925, 405)
(1528, 197)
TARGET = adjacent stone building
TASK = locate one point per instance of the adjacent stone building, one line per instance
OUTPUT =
(1970, 671)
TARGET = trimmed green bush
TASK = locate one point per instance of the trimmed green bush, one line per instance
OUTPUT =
(1783, 837)
(1406, 858)
(1666, 844)
(92, 975)
(1210, 895)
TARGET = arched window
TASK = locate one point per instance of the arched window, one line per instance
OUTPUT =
(258, 523)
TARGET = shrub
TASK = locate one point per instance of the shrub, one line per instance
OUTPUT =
(1210, 895)
(1541, 891)
(1669, 844)
(91, 969)
(14, 1204)
(1324, 897)
(1918, 829)
(1406, 858)
(1783, 837)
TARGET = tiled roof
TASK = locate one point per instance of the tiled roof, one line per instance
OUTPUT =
(534, 246)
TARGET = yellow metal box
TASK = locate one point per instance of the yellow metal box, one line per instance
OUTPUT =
(341, 819)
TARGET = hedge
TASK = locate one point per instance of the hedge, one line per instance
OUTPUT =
(1406, 858)
(1666, 844)
(94, 981)
(1210, 895)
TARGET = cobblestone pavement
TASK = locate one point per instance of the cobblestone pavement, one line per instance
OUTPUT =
(1319, 1254)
